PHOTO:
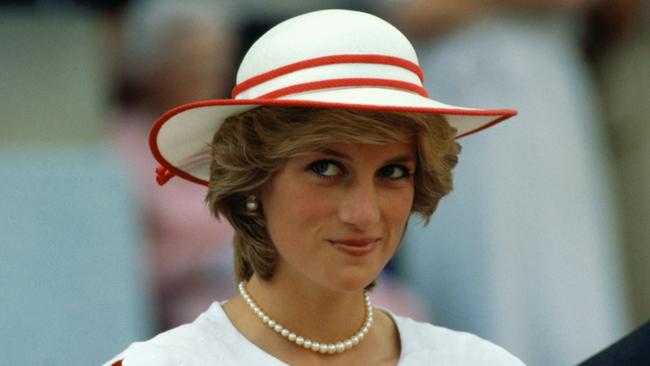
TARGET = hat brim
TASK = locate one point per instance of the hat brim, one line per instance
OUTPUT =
(180, 138)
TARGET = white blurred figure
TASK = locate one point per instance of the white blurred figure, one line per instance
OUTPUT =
(174, 53)
(525, 251)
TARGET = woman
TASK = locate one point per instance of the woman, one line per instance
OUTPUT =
(319, 159)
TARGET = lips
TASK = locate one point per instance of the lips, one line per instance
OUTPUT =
(355, 247)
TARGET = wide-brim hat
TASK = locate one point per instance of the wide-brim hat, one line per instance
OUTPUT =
(327, 59)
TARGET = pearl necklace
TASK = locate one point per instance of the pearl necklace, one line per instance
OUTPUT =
(330, 348)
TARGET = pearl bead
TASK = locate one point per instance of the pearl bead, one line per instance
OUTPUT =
(307, 344)
(323, 349)
(292, 336)
(340, 347)
(272, 323)
(278, 328)
(300, 340)
(251, 203)
(315, 346)
(348, 344)
(284, 333)
(331, 348)
(355, 340)
(266, 319)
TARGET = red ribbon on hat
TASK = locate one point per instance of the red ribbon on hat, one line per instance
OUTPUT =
(163, 175)
(331, 83)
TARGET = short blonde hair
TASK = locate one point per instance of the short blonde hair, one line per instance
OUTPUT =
(250, 147)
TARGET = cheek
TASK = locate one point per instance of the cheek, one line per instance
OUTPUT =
(309, 211)
(398, 208)
(294, 214)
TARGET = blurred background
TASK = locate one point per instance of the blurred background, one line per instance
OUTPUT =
(542, 248)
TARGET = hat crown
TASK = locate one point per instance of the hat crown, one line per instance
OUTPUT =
(327, 33)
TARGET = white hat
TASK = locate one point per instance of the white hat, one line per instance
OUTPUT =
(326, 59)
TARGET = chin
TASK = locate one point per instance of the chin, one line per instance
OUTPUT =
(351, 283)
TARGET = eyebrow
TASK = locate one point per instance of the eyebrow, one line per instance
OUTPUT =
(404, 158)
(335, 153)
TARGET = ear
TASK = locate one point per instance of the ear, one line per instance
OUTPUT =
(253, 200)
(263, 191)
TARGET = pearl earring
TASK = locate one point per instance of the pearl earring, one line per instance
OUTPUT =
(251, 203)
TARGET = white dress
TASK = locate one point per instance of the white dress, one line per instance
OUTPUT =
(213, 340)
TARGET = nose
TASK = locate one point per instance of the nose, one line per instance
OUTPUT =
(359, 207)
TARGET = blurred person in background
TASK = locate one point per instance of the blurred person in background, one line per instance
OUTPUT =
(619, 46)
(173, 53)
(525, 252)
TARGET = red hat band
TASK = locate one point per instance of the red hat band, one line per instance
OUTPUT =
(333, 72)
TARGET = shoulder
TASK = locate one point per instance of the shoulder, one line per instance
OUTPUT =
(145, 354)
(165, 349)
(196, 343)
(426, 342)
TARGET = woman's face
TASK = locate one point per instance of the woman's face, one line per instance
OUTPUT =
(336, 215)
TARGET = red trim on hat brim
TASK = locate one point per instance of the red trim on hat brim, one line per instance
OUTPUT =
(488, 125)
(502, 113)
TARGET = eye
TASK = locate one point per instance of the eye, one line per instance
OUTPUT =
(326, 168)
(394, 172)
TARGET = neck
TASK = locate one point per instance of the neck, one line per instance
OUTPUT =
(308, 310)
